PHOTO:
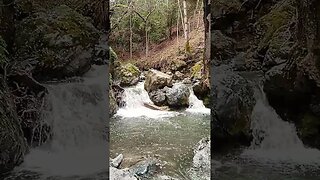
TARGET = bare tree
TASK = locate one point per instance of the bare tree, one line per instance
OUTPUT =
(207, 25)
(145, 19)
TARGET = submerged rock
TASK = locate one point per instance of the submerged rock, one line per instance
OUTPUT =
(156, 80)
(120, 174)
(145, 168)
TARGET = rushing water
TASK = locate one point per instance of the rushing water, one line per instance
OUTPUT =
(170, 136)
(76, 112)
(276, 151)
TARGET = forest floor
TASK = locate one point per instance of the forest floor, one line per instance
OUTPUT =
(171, 50)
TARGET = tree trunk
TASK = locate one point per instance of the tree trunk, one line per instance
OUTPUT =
(182, 19)
(147, 46)
(178, 16)
(131, 35)
(207, 25)
(185, 17)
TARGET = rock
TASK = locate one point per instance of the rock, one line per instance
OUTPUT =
(233, 101)
(277, 41)
(223, 10)
(223, 48)
(196, 70)
(57, 43)
(201, 164)
(165, 177)
(127, 75)
(113, 106)
(156, 80)
(178, 65)
(158, 97)
(116, 161)
(202, 157)
(186, 81)
(178, 75)
(120, 174)
(13, 145)
(178, 96)
(145, 168)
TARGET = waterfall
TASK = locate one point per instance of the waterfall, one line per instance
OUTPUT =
(77, 114)
(196, 105)
(136, 96)
(275, 139)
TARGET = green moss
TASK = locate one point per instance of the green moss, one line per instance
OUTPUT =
(196, 70)
(279, 16)
(132, 69)
(310, 125)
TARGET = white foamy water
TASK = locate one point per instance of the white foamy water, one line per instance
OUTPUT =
(76, 112)
(136, 96)
(275, 139)
(196, 105)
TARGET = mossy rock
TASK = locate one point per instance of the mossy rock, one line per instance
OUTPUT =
(56, 43)
(127, 74)
(281, 15)
(196, 70)
(178, 65)
(222, 7)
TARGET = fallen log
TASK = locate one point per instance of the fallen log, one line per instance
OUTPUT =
(154, 107)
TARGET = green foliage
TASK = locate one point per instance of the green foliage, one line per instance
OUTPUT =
(112, 55)
(3, 52)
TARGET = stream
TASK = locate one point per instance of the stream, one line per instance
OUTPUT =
(276, 151)
(138, 132)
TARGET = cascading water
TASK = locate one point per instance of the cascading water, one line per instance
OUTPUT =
(196, 105)
(275, 139)
(78, 116)
(136, 96)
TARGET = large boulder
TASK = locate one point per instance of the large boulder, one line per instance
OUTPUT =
(13, 145)
(157, 80)
(55, 44)
(158, 97)
(222, 48)
(178, 96)
(127, 75)
(233, 102)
